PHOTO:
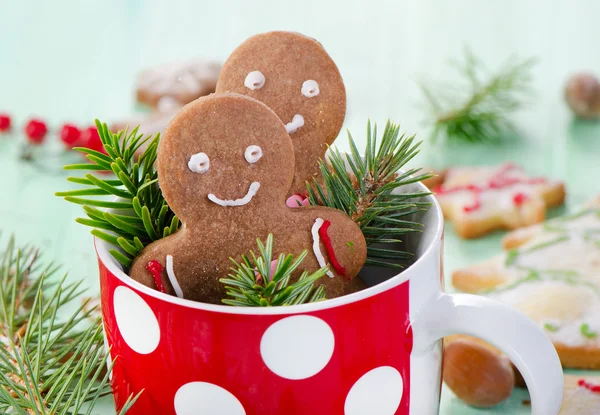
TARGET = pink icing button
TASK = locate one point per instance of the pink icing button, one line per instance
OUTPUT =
(273, 266)
(293, 200)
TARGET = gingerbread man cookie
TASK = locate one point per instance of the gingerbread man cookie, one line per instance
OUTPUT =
(225, 165)
(297, 79)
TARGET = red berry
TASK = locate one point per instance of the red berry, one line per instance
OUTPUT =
(70, 135)
(91, 139)
(4, 123)
(36, 131)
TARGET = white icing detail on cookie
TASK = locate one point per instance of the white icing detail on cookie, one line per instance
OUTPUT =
(558, 302)
(565, 293)
(199, 163)
(254, 80)
(183, 77)
(172, 277)
(310, 88)
(317, 244)
(494, 201)
(237, 202)
(297, 122)
(253, 154)
(168, 104)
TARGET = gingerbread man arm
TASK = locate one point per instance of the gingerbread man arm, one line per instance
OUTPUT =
(153, 267)
(339, 244)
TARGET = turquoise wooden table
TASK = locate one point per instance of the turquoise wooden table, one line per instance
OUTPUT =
(75, 61)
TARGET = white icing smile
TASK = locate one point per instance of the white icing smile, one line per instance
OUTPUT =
(237, 202)
(297, 122)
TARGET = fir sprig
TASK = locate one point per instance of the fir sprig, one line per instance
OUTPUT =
(365, 187)
(48, 365)
(477, 108)
(252, 283)
(143, 214)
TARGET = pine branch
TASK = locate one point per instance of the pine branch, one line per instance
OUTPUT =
(48, 365)
(144, 215)
(368, 189)
(482, 114)
(256, 283)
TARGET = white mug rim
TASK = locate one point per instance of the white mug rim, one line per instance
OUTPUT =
(111, 264)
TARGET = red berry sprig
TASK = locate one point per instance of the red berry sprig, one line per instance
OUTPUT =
(36, 131)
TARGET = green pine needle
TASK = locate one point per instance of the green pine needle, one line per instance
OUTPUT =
(144, 215)
(480, 113)
(49, 364)
(251, 283)
(368, 188)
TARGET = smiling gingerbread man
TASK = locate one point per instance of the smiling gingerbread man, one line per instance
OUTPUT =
(225, 166)
(296, 78)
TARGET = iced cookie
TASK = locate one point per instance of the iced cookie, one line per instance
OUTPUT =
(182, 81)
(296, 78)
(581, 395)
(479, 200)
(225, 166)
(552, 276)
(551, 273)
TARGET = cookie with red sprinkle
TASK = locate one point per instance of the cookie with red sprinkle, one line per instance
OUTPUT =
(581, 395)
(551, 273)
(479, 200)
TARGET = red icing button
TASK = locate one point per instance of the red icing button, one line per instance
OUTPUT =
(5, 123)
(36, 131)
(70, 135)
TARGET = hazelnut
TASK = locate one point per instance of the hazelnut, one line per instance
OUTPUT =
(477, 373)
(582, 93)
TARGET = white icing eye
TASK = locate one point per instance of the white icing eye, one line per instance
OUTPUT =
(253, 154)
(254, 80)
(310, 88)
(199, 163)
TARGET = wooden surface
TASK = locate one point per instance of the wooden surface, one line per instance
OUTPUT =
(76, 61)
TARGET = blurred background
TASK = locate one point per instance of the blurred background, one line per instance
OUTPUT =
(74, 61)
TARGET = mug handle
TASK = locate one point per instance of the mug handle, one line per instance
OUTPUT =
(523, 341)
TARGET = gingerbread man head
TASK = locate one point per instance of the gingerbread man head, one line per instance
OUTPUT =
(225, 165)
(296, 78)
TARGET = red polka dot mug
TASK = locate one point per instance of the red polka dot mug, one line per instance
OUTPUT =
(374, 352)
